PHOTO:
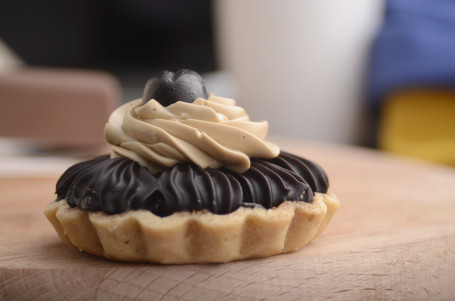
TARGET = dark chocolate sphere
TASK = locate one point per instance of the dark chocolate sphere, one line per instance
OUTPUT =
(168, 87)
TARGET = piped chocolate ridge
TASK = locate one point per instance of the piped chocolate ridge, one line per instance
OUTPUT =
(119, 184)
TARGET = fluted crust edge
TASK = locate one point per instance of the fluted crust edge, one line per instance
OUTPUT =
(193, 237)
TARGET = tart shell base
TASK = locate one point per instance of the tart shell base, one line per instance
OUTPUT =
(193, 237)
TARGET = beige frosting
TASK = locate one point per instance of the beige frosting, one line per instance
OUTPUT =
(211, 132)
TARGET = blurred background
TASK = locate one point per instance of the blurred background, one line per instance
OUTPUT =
(372, 73)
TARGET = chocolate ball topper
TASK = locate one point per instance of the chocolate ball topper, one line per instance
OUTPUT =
(168, 87)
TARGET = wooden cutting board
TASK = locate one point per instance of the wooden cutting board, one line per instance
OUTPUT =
(393, 238)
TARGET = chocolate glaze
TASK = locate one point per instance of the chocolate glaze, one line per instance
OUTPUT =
(167, 87)
(120, 184)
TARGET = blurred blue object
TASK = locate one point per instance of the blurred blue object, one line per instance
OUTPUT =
(415, 47)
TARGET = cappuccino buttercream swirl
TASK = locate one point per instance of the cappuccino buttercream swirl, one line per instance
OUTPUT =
(212, 132)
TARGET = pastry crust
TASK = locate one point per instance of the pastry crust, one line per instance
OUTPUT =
(193, 237)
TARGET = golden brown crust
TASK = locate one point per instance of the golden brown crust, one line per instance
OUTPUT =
(193, 237)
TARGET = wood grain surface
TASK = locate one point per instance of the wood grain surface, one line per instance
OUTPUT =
(393, 238)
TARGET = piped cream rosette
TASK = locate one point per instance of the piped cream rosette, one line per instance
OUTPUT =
(211, 132)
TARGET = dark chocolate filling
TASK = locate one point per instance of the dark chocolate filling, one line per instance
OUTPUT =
(120, 184)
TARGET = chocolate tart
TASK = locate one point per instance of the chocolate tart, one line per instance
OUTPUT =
(178, 189)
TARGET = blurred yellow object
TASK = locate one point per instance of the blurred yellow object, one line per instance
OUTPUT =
(420, 123)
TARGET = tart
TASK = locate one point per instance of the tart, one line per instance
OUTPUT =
(190, 179)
